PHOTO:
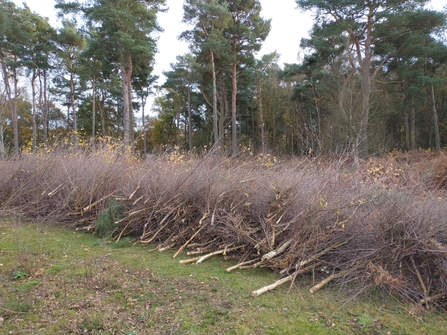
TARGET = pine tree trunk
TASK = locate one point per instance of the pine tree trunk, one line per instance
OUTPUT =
(407, 131)
(189, 118)
(215, 111)
(93, 113)
(34, 116)
(223, 110)
(413, 128)
(131, 118)
(233, 100)
(435, 119)
(143, 124)
(126, 74)
(101, 114)
(2, 140)
(261, 117)
(45, 109)
(72, 99)
(15, 125)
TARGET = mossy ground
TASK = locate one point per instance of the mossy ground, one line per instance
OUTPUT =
(55, 280)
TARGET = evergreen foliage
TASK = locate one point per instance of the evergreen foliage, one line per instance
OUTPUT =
(372, 79)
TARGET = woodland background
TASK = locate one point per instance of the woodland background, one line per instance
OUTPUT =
(373, 79)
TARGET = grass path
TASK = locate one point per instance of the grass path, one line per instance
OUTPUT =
(58, 281)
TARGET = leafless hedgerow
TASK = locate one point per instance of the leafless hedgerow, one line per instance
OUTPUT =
(382, 224)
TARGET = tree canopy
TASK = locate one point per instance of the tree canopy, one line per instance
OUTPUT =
(372, 79)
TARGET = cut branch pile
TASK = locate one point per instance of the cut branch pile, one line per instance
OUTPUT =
(296, 218)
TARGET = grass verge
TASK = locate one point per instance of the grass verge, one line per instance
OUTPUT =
(58, 281)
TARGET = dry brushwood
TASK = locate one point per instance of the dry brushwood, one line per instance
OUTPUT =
(382, 224)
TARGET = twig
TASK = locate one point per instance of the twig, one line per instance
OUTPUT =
(316, 256)
(435, 297)
(193, 236)
(161, 228)
(418, 274)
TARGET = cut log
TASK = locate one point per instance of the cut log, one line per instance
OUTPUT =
(224, 251)
(237, 266)
(272, 286)
(324, 282)
(277, 251)
(283, 280)
(187, 261)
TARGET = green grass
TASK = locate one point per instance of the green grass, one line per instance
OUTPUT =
(59, 281)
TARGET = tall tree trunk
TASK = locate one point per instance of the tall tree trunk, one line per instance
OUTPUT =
(413, 127)
(45, 109)
(131, 118)
(366, 91)
(72, 100)
(93, 113)
(143, 123)
(234, 99)
(435, 118)
(407, 131)
(126, 75)
(15, 125)
(34, 117)
(2, 140)
(189, 118)
(102, 107)
(261, 117)
(406, 120)
(177, 123)
(223, 108)
(118, 120)
(215, 111)
(7, 88)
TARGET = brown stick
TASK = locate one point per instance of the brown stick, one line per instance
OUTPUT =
(316, 256)
(89, 207)
(53, 192)
(193, 236)
(161, 228)
(327, 280)
(155, 235)
(435, 297)
(418, 274)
